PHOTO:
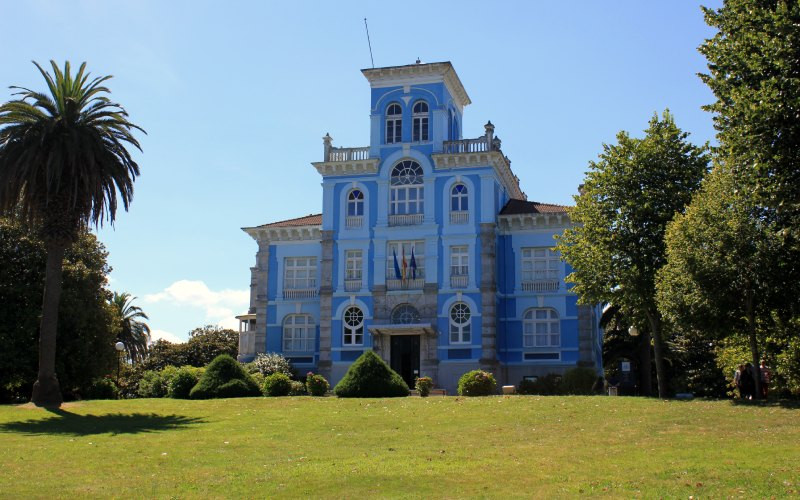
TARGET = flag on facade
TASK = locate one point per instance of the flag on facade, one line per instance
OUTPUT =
(413, 265)
(396, 266)
(404, 264)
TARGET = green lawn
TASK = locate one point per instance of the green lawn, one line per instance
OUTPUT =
(411, 447)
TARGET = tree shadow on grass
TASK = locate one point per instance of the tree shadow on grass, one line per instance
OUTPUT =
(791, 404)
(66, 423)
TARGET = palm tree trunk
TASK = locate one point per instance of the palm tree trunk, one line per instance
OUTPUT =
(658, 350)
(46, 390)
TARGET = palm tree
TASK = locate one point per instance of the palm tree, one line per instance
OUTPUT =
(133, 333)
(62, 164)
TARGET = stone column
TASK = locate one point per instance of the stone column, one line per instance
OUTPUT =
(488, 240)
(327, 142)
(586, 340)
(258, 295)
(325, 305)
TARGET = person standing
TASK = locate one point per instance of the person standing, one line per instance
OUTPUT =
(766, 375)
(748, 382)
(737, 380)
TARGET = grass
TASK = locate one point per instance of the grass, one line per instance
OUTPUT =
(409, 447)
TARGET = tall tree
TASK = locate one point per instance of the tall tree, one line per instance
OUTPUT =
(617, 243)
(717, 281)
(133, 333)
(63, 162)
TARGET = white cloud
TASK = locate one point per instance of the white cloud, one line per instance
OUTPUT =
(161, 334)
(220, 306)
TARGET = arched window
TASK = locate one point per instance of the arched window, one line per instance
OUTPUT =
(355, 203)
(405, 314)
(460, 331)
(541, 328)
(394, 124)
(298, 333)
(407, 191)
(420, 122)
(353, 326)
(459, 198)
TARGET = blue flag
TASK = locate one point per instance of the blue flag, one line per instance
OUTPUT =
(397, 274)
(413, 265)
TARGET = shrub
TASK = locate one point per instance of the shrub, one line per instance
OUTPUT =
(578, 380)
(224, 378)
(102, 388)
(277, 384)
(549, 385)
(299, 389)
(152, 385)
(370, 377)
(476, 383)
(181, 384)
(424, 385)
(272, 362)
(316, 385)
(257, 378)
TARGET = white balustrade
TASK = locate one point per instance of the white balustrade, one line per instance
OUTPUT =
(348, 154)
(459, 281)
(541, 286)
(409, 284)
(465, 146)
(459, 217)
(354, 221)
(405, 220)
(352, 285)
(300, 293)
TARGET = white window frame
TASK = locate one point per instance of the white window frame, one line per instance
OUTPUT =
(420, 128)
(407, 190)
(352, 330)
(419, 257)
(394, 124)
(540, 264)
(461, 198)
(306, 267)
(299, 336)
(355, 202)
(460, 332)
(459, 260)
(353, 264)
(541, 327)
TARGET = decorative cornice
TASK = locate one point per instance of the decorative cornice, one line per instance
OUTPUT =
(350, 167)
(293, 233)
(495, 159)
(410, 74)
(520, 222)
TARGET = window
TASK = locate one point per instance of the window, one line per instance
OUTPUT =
(459, 323)
(355, 203)
(405, 314)
(541, 328)
(401, 252)
(353, 264)
(420, 122)
(298, 333)
(459, 199)
(540, 264)
(407, 190)
(300, 273)
(394, 124)
(459, 261)
(353, 326)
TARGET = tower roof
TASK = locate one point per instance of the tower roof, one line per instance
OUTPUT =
(392, 76)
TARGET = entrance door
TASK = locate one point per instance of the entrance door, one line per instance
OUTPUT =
(405, 357)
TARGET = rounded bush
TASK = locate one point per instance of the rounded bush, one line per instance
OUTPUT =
(102, 388)
(578, 380)
(236, 388)
(224, 378)
(370, 377)
(181, 384)
(477, 383)
(277, 384)
(297, 388)
(152, 385)
(424, 386)
(271, 362)
(316, 385)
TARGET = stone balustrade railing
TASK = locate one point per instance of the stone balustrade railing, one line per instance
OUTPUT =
(347, 154)
(541, 286)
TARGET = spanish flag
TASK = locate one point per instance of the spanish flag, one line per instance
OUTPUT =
(404, 264)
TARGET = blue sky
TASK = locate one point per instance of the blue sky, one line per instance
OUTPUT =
(236, 96)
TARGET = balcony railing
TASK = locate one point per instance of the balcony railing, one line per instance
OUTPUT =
(353, 221)
(459, 217)
(405, 220)
(352, 285)
(540, 286)
(459, 281)
(348, 154)
(410, 284)
(300, 293)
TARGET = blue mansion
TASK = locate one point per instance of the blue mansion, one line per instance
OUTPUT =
(426, 251)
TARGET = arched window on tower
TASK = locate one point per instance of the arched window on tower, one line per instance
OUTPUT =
(394, 124)
(406, 204)
(420, 122)
(459, 204)
(355, 209)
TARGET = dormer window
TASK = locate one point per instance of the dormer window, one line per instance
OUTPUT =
(459, 204)
(420, 122)
(394, 124)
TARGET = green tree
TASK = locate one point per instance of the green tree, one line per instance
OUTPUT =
(617, 243)
(204, 345)
(134, 334)
(63, 162)
(717, 280)
(86, 330)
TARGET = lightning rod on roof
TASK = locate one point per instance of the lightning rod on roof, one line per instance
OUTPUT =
(368, 43)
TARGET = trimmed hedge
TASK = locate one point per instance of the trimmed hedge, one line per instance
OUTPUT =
(181, 384)
(224, 378)
(371, 377)
(477, 383)
(277, 384)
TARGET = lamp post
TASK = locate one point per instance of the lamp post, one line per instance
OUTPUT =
(119, 346)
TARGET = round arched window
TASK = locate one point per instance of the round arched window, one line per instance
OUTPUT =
(405, 314)
(353, 326)
(460, 327)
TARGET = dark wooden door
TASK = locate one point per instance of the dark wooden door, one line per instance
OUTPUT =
(405, 357)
